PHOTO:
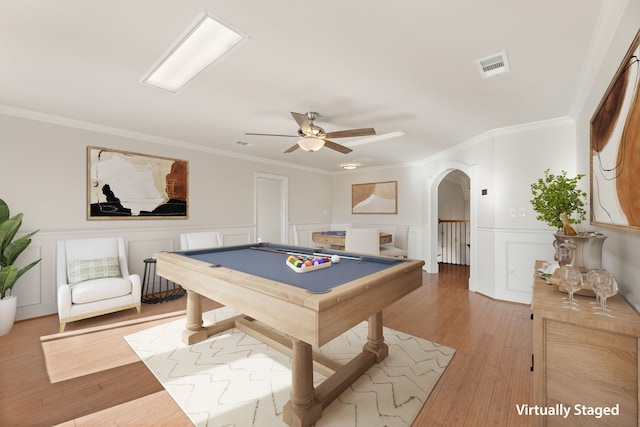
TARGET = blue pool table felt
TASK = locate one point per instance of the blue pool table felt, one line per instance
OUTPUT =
(261, 260)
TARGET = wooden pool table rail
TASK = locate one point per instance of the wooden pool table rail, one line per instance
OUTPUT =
(313, 318)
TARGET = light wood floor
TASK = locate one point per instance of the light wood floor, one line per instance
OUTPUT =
(90, 376)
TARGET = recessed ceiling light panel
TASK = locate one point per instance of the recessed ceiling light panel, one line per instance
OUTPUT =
(204, 43)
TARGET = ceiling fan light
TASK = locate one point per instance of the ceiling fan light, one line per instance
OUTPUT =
(350, 166)
(310, 143)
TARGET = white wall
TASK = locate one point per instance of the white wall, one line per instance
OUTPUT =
(49, 162)
(620, 249)
(43, 171)
(410, 195)
(43, 174)
(505, 237)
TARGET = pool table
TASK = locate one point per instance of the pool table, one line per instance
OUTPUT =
(292, 311)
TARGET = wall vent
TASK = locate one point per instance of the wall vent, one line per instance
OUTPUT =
(493, 65)
(243, 143)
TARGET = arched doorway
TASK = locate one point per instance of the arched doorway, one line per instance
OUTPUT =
(454, 232)
(467, 175)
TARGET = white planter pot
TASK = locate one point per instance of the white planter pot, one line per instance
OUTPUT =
(8, 306)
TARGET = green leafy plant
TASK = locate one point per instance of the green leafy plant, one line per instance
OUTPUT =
(556, 194)
(10, 249)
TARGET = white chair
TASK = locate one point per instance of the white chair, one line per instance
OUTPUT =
(201, 240)
(93, 278)
(399, 248)
(295, 235)
(362, 240)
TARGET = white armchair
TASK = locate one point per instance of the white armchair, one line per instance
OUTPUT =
(295, 235)
(93, 279)
(201, 240)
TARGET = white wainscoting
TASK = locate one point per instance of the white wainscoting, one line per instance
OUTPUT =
(415, 236)
(515, 254)
(505, 257)
(36, 290)
(304, 233)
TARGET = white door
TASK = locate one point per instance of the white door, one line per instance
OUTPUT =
(271, 208)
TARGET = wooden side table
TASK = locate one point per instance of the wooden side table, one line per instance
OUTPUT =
(581, 358)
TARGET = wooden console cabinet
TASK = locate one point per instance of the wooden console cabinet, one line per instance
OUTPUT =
(580, 358)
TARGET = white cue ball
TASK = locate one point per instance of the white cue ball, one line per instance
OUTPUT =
(335, 259)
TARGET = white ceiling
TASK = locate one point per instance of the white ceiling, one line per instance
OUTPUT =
(406, 65)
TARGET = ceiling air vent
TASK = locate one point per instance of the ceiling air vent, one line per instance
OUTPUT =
(493, 65)
(243, 143)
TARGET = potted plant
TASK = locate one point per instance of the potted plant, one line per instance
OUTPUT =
(10, 250)
(559, 202)
(554, 195)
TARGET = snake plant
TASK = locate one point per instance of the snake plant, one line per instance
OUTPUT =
(10, 249)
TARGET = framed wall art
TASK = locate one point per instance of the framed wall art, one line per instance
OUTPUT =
(125, 185)
(615, 148)
(375, 198)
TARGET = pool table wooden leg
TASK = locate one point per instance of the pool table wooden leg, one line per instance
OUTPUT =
(307, 403)
(302, 410)
(194, 332)
(375, 339)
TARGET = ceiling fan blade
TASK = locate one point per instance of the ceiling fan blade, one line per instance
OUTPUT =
(272, 134)
(351, 132)
(337, 147)
(302, 121)
(292, 148)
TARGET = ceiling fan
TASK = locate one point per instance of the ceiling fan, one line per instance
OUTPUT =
(312, 137)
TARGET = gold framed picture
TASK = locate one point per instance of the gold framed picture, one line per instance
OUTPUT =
(375, 198)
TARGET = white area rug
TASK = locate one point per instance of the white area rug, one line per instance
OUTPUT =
(232, 379)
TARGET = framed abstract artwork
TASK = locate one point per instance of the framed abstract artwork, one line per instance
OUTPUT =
(375, 198)
(126, 185)
(615, 148)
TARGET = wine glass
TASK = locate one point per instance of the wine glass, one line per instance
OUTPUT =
(571, 278)
(606, 287)
(592, 277)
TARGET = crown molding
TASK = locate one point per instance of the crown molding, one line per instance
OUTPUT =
(98, 128)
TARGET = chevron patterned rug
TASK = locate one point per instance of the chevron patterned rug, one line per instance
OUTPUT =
(232, 379)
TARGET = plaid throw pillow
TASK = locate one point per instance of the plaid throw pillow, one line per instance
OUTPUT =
(80, 270)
